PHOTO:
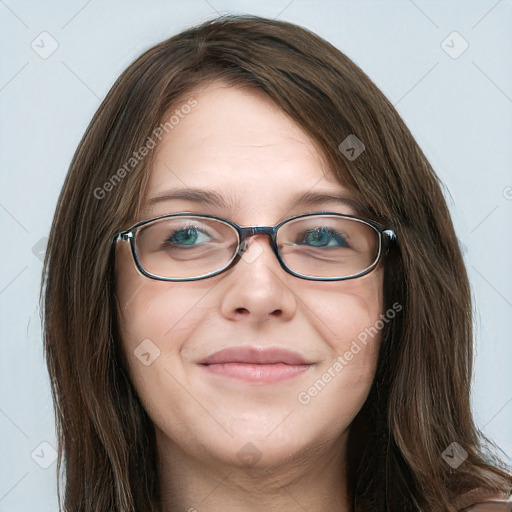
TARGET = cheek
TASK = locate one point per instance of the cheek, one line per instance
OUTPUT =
(343, 311)
(153, 310)
(148, 308)
(348, 317)
(155, 320)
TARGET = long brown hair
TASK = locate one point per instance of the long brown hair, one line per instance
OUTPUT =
(420, 400)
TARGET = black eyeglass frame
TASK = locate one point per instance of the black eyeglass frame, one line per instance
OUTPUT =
(386, 238)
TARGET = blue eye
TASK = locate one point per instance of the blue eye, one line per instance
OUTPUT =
(188, 237)
(324, 237)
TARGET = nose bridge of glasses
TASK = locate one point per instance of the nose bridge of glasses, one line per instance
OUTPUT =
(249, 232)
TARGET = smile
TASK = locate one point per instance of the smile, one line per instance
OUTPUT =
(256, 364)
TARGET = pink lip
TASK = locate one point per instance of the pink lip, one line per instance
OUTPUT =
(256, 365)
(255, 356)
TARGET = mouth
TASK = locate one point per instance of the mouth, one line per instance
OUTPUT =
(262, 365)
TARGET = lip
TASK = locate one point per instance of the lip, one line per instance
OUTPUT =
(263, 365)
(255, 355)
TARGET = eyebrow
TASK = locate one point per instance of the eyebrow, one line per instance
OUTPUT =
(194, 195)
(314, 198)
(212, 198)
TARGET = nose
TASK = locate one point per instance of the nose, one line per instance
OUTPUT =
(257, 288)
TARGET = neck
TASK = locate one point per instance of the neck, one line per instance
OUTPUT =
(312, 480)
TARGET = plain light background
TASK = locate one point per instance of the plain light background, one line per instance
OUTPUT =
(457, 101)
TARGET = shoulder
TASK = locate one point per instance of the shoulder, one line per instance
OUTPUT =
(484, 500)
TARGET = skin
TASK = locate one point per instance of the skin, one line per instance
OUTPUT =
(239, 144)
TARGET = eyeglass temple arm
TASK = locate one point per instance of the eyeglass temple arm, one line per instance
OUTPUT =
(389, 238)
(120, 237)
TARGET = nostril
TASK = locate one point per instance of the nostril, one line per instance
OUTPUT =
(244, 312)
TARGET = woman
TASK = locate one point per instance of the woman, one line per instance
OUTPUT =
(254, 296)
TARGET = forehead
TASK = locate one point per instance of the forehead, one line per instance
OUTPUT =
(239, 144)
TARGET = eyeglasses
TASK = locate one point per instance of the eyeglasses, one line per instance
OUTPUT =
(321, 246)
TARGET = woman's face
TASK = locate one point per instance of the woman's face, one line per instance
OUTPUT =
(237, 144)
